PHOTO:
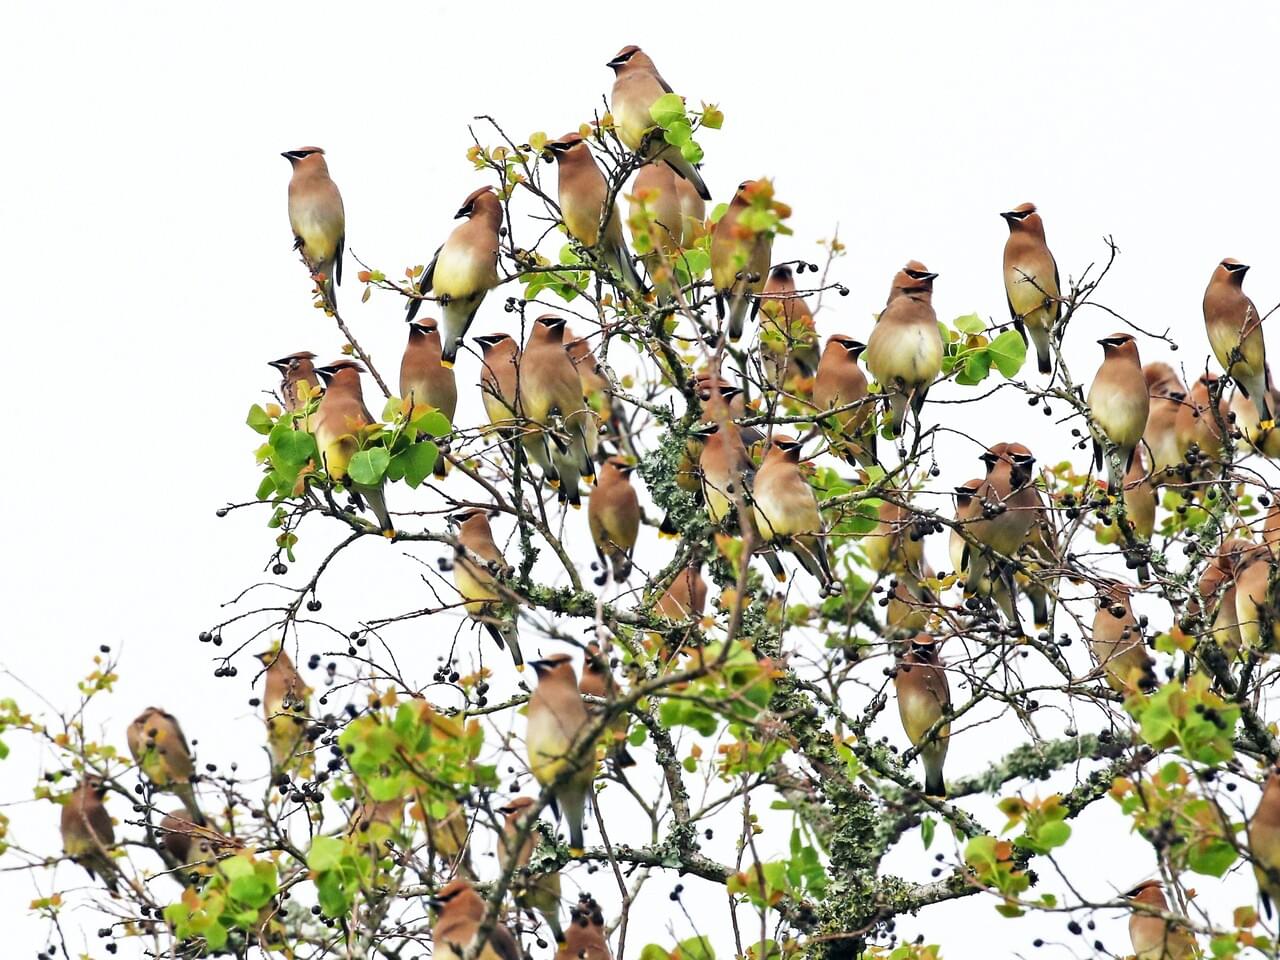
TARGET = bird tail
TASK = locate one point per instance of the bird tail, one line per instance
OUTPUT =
(574, 806)
(1115, 481)
(685, 170)
(1255, 389)
(619, 261)
(186, 792)
(1040, 337)
(620, 561)
(775, 565)
(897, 412)
(377, 502)
(934, 785)
(552, 916)
(739, 304)
(977, 562)
(458, 315)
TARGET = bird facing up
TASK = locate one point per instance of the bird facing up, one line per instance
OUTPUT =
(904, 351)
(316, 217)
(1234, 326)
(1119, 404)
(1031, 281)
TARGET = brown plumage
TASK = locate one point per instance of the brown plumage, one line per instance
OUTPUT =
(904, 351)
(598, 681)
(557, 722)
(500, 359)
(189, 843)
(1119, 405)
(316, 216)
(686, 597)
(539, 892)
(785, 506)
(728, 473)
(340, 424)
(464, 269)
(1154, 937)
(450, 837)
(286, 705)
(1197, 428)
(1257, 600)
(1031, 280)
(1217, 589)
(87, 834)
(483, 598)
(1167, 393)
(613, 514)
(296, 368)
(1255, 437)
(894, 546)
(739, 259)
(788, 335)
(1117, 642)
(160, 749)
(425, 382)
(1263, 838)
(839, 382)
(1234, 326)
(924, 697)
(665, 216)
(460, 912)
(585, 938)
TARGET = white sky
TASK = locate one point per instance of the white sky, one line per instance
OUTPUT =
(149, 274)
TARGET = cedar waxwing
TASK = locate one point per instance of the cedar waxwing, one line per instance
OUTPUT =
(1217, 589)
(966, 512)
(583, 194)
(739, 259)
(840, 382)
(1119, 405)
(464, 269)
(316, 217)
(727, 476)
(159, 748)
(499, 362)
(598, 681)
(297, 368)
(1196, 424)
(924, 697)
(550, 391)
(1117, 641)
(1031, 280)
(450, 836)
(374, 821)
(424, 381)
(539, 892)
(1234, 326)
(338, 424)
(1265, 442)
(637, 86)
(1140, 514)
(788, 335)
(1258, 603)
(686, 597)
(613, 514)
(910, 604)
(87, 834)
(483, 598)
(1271, 529)
(904, 351)
(460, 912)
(665, 217)
(595, 385)
(1153, 937)
(894, 545)
(557, 721)
(785, 506)
(585, 939)
(286, 705)
(1167, 393)
(1264, 841)
(189, 843)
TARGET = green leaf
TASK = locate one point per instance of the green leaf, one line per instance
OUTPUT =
(1008, 352)
(1053, 834)
(667, 109)
(691, 151)
(970, 323)
(679, 133)
(292, 446)
(368, 466)
(696, 948)
(927, 827)
(1213, 858)
(418, 462)
(434, 423)
(258, 420)
(325, 854)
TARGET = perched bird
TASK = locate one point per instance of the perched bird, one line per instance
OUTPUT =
(785, 506)
(788, 335)
(665, 215)
(1119, 404)
(598, 681)
(460, 912)
(1031, 280)
(904, 351)
(686, 597)
(924, 699)
(585, 938)
(1218, 591)
(87, 834)
(189, 843)
(159, 748)
(1254, 437)
(895, 545)
(340, 424)
(558, 721)
(1258, 603)
(1234, 326)
(1167, 394)
(1263, 836)
(1199, 431)
(583, 194)
(1153, 937)
(637, 86)
(1117, 641)
(740, 259)
(296, 368)
(540, 892)
(613, 514)
(286, 705)
(316, 217)
(551, 397)
(450, 838)
(464, 269)
(483, 598)
(727, 476)
(500, 359)
(840, 382)
(425, 382)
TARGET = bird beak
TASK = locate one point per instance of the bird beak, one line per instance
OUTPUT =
(929, 276)
(464, 212)
(277, 364)
(1007, 216)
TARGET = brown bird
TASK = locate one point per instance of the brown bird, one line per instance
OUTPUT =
(464, 269)
(557, 722)
(297, 369)
(1234, 326)
(1117, 640)
(686, 597)
(1258, 603)
(637, 86)
(1031, 280)
(895, 546)
(788, 335)
(541, 891)
(316, 217)
(924, 699)
(585, 939)
(1154, 937)
(551, 397)
(840, 382)
(341, 423)
(1218, 590)
(598, 681)
(1119, 405)
(583, 195)
(613, 514)
(1197, 428)
(1167, 393)
(740, 258)
(665, 216)
(450, 837)
(728, 473)
(159, 748)
(286, 705)
(1254, 437)
(485, 601)
(500, 360)
(785, 506)
(460, 911)
(904, 351)
(87, 834)
(189, 843)
(1264, 841)
(425, 382)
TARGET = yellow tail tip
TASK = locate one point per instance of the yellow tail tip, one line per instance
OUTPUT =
(447, 364)
(576, 851)
(780, 577)
(553, 484)
(663, 535)
(519, 668)
(1266, 424)
(576, 506)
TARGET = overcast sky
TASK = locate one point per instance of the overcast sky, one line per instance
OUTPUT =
(149, 274)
